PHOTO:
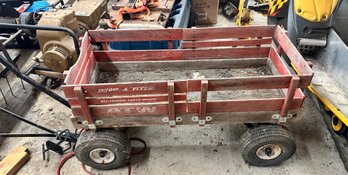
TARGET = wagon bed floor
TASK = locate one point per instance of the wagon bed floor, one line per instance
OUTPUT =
(164, 75)
(179, 74)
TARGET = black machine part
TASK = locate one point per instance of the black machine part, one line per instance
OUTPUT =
(62, 136)
(230, 8)
(307, 35)
(13, 68)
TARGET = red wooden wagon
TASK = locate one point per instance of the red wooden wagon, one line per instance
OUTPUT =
(100, 106)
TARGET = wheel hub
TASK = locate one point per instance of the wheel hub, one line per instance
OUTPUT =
(269, 151)
(102, 155)
(336, 123)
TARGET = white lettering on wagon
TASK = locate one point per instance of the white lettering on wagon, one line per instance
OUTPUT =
(128, 100)
(129, 110)
(143, 88)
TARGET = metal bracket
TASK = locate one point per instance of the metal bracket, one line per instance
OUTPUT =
(165, 119)
(202, 122)
(90, 126)
(178, 119)
(98, 122)
(280, 118)
(171, 122)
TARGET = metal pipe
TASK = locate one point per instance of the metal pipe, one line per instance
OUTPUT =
(26, 135)
(35, 67)
(12, 37)
(49, 74)
(26, 121)
(35, 27)
(6, 54)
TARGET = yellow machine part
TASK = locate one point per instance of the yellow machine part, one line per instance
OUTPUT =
(244, 15)
(275, 5)
(327, 104)
(315, 10)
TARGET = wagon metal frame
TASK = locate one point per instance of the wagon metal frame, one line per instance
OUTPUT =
(109, 105)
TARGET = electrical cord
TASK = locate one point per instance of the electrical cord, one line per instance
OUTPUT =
(85, 169)
(141, 141)
(63, 161)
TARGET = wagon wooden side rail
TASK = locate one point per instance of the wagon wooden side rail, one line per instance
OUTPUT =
(165, 102)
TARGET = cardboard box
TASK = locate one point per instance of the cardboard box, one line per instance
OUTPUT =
(206, 11)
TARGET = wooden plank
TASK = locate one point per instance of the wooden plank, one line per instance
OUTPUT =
(251, 105)
(227, 32)
(148, 55)
(73, 71)
(156, 120)
(128, 99)
(290, 95)
(278, 62)
(14, 160)
(143, 109)
(244, 83)
(170, 44)
(87, 71)
(298, 93)
(140, 109)
(81, 73)
(171, 104)
(203, 100)
(135, 109)
(277, 65)
(137, 55)
(182, 64)
(119, 89)
(84, 105)
(220, 43)
(290, 50)
(218, 53)
(122, 89)
(135, 35)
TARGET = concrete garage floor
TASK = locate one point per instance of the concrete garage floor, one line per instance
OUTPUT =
(213, 149)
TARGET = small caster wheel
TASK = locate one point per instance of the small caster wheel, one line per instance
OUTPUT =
(337, 125)
(104, 149)
(267, 145)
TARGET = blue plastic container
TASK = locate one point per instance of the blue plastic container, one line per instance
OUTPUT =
(179, 18)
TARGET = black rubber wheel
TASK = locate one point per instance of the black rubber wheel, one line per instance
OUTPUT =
(336, 124)
(104, 149)
(267, 145)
